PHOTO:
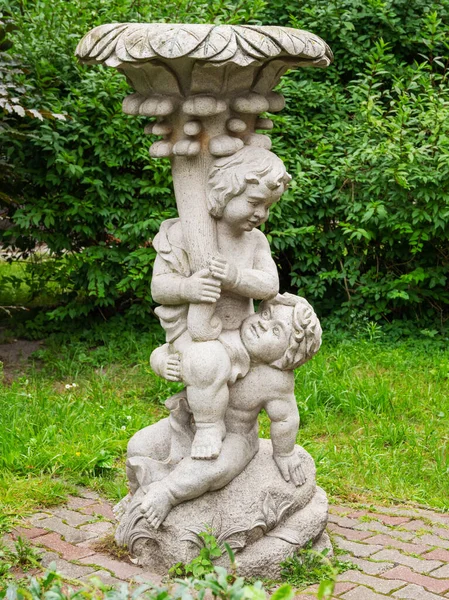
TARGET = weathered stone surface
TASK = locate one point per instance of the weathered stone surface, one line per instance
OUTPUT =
(99, 529)
(258, 511)
(70, 534)
(417, 525)
(441, 572)
(201, 467)
(118, 44)
(71, 570)
(432, 540)
(104, 576)
(71, 517)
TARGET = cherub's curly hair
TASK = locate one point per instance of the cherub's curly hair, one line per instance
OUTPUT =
(230, 176)
(305, 337)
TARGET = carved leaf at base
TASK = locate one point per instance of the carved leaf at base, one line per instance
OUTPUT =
(215, 528)
(272, 514)
(288, 535)
(133, 528)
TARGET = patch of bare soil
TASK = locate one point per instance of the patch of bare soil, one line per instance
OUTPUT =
(15, 355)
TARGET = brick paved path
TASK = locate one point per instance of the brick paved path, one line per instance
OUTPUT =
(400, 552)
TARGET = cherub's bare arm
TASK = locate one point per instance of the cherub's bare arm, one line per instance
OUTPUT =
(166, 286)
(261, 282)
(170, 288)
(284, 416)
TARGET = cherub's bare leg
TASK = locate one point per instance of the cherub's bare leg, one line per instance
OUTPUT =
(143, 470)
(206, 370)
(187, 481)
(210, 427)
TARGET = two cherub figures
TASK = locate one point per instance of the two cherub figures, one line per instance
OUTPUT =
(212, 432)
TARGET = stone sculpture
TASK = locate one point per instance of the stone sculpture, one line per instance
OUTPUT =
(204, 466)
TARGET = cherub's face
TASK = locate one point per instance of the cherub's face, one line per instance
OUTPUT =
(266, 333)
(251, 208)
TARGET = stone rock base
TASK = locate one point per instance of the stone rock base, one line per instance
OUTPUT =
(261, 516)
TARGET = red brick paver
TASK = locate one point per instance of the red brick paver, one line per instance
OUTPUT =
(390, 520)
(387, 540)
(401, 552)
(349, 534)
(121, 569)
(379, 585)
(438, 555)
(28, 532)
(362, 593)
(430, 583)
(67, 551)
(102, 509)
(74, 502)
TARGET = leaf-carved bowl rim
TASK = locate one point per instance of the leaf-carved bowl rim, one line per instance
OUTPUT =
(116, 44)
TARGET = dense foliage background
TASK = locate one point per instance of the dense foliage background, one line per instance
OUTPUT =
(363, 230)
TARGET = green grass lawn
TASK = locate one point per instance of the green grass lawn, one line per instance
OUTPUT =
(16, 283)
(375, 417)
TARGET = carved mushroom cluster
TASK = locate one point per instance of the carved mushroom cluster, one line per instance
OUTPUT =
(240, 114)
(191, 77)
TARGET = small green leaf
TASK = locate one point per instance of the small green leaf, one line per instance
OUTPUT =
(285, 592)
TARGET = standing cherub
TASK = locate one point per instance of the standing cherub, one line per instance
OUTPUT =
(242, 188)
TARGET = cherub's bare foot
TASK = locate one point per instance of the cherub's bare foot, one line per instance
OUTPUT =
(208, 440)
(156, 505)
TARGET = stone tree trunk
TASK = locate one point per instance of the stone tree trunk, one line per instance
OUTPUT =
(206, 86)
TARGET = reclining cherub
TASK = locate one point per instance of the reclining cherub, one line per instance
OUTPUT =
(281, 336)
(242, 188)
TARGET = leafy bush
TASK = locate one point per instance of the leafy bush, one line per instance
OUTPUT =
(17, 106)
(371, 162)
(365, 224)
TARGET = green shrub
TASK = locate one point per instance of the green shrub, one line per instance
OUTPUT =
(365, 224)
